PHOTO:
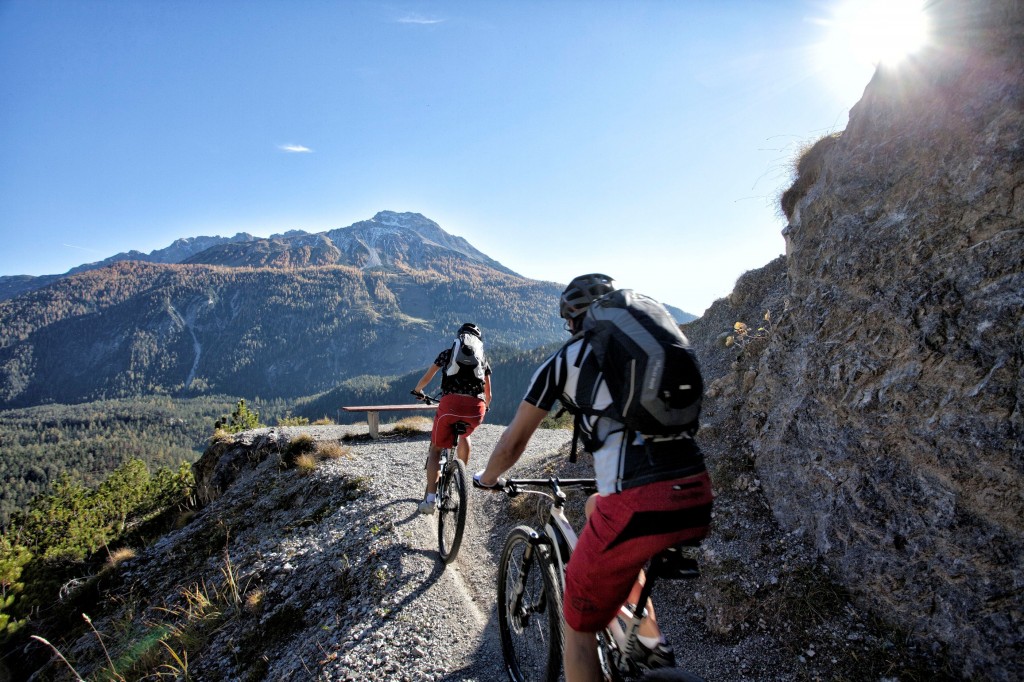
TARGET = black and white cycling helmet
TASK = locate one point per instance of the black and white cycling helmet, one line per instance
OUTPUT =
(470, 328)
(583, 291)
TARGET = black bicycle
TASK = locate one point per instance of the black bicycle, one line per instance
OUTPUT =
(452, 492)
(531, 582)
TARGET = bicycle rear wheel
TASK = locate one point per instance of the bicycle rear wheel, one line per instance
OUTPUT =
(451, 509)
(529, 609)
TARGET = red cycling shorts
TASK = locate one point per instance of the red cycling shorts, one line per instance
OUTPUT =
(455, 407)
(623, 532)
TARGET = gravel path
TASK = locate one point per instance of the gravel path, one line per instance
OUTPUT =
(331, 574)
(456, 601)
(400, 614)
(446, 612)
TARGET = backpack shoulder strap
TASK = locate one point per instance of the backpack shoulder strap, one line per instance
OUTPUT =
(587, 384)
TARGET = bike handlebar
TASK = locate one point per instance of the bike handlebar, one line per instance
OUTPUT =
(428, 399)
(513, 486)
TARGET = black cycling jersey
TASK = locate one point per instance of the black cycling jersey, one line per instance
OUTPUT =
(622, 458)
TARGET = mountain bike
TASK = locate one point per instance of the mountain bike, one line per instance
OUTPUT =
(452, 493)
(531, 582)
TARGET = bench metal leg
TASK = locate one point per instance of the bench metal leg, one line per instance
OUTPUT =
(373, 421)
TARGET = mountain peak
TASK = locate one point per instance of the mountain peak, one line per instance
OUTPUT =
(407, 219)
(387, 239)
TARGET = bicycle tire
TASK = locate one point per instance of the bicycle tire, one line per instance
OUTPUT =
(530, 627)
(451, 509)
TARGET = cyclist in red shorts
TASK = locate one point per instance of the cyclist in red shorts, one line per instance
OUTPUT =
(650, 496)
(465, 396)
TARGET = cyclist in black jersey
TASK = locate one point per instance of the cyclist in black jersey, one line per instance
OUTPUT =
(465, 396)
(650, 496)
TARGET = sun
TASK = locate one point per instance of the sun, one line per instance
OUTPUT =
(877, 32)
(860, 35)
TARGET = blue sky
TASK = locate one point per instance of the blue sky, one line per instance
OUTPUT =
(646, 139)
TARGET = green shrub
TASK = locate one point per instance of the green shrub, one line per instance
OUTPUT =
(242, 419)
(63, 532)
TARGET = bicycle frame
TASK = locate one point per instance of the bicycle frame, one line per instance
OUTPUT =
(562, 537)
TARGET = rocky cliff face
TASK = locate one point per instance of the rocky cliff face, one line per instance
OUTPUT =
(885, 409)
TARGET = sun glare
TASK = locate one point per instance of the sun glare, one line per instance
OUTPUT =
(877, 31)
(859, 35)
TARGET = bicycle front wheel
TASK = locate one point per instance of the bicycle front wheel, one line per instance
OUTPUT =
(451, 509)
(529, 609)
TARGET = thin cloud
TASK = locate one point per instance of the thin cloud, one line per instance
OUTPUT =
(416, 19)
(295, 149)
(80, 248)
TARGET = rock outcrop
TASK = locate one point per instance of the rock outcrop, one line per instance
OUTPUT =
(885, 409)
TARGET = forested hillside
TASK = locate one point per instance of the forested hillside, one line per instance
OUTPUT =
(87, 442)
(137, 328)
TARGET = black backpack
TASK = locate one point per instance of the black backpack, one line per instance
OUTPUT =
(647, 363)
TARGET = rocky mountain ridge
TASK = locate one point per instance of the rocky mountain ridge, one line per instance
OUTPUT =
(283, 317)
(386, 239)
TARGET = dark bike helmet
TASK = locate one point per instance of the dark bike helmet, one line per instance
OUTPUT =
(470, 328)
(583, 291)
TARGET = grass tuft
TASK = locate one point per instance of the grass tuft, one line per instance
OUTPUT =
(220, 436)
(301, 444)
(411, 426)
(305, 463)
(332, 450)
(118, 556)
(808, 165)
(254, 601)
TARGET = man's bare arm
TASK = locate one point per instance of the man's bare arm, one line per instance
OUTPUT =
(513, 442)
(425, 379)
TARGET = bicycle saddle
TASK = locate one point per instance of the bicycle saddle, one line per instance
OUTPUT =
(677, 563)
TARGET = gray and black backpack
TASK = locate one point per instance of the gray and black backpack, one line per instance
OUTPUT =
(647, 363)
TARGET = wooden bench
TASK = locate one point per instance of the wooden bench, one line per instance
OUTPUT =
(373, 413)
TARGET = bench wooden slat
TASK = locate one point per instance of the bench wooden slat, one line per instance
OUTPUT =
(373, 413)
(388, 408)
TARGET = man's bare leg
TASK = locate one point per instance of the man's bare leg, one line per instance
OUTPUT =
(579, 655)
(433, 468)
